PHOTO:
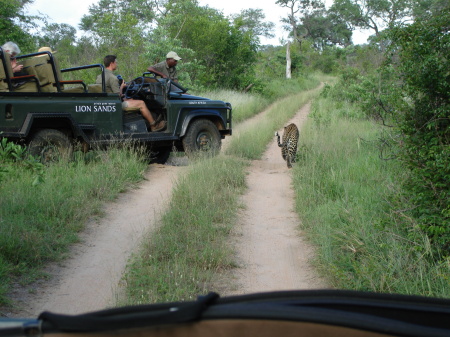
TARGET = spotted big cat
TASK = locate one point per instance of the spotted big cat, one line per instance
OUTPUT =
(289, 145)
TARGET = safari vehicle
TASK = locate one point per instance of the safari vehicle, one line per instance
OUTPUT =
(336, 313)
(51, 115)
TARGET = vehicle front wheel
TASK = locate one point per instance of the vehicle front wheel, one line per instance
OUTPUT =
(50, 145)
(202, 137)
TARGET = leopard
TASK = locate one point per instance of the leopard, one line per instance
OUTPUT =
(290, 143)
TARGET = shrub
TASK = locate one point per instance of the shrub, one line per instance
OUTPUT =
(419, 57)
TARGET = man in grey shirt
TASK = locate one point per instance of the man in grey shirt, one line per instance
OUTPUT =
(167, 68)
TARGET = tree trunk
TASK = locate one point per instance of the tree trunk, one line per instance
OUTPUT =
(288, 60)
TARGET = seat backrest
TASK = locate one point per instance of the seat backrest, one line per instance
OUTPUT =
(158, 92)
(16, 82)
(97, 88)
(43, 69)
(6, 71)
(3, 84)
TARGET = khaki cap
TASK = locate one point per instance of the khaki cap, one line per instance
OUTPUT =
(173, 55)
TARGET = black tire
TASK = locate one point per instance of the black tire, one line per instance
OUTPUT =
(202, 137)
(50, 145)
(160, 156)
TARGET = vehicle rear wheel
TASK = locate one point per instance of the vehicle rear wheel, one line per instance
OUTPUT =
(202, 137)
(50, 145)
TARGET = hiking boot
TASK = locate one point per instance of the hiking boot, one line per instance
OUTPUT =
(158, 127)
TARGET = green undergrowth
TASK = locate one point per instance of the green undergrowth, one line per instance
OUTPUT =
(245, 105)
(39, 220)
(352, 207)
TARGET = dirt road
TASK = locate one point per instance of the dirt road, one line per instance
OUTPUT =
(271, 252)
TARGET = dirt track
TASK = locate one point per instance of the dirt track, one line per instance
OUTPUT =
(271, 252)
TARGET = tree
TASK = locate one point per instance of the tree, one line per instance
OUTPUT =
(421, 105)
(252, 21)
(121, 27)
(14, 24)
(372, 14)
(223, 51)
(424, 9)
(118, 23)
(292, 5)
(54, 34)
(288, 61)
(309, 20)
(324, 29)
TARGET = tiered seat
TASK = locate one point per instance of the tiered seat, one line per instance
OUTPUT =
(45, 67)
(9, 82)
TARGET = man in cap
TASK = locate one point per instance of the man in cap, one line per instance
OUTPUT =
(167, 68)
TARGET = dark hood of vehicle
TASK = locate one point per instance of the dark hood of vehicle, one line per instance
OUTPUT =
(185, 96)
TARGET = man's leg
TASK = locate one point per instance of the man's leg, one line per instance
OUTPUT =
(145, 112)
(134, 103)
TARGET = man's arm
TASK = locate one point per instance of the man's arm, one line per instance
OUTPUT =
(157, 72)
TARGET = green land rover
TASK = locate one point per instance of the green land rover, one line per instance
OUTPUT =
(50, 110)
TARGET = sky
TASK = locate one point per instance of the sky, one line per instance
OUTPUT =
(71, 11)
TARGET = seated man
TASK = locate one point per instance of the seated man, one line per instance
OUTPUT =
(112, 86)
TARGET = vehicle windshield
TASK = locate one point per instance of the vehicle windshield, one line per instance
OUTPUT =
(176, 88)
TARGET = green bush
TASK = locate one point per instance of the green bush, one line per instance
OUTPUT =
(422, 104)
(13, 155)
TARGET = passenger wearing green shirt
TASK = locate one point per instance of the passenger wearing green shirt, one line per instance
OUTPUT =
(167, 68)
(112, 86)
(111, 81)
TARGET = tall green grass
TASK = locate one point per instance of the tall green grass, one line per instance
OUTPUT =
(279, 88)
(181, 259)
(245, 105)
(350, 203)
(39, 221)
(253, 142)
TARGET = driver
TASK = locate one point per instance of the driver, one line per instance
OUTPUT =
(112, 86)
(167, 68)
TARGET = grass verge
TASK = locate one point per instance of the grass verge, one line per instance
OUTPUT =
(180, 259)
(39, 221)
(350, 203)
(247, 105)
